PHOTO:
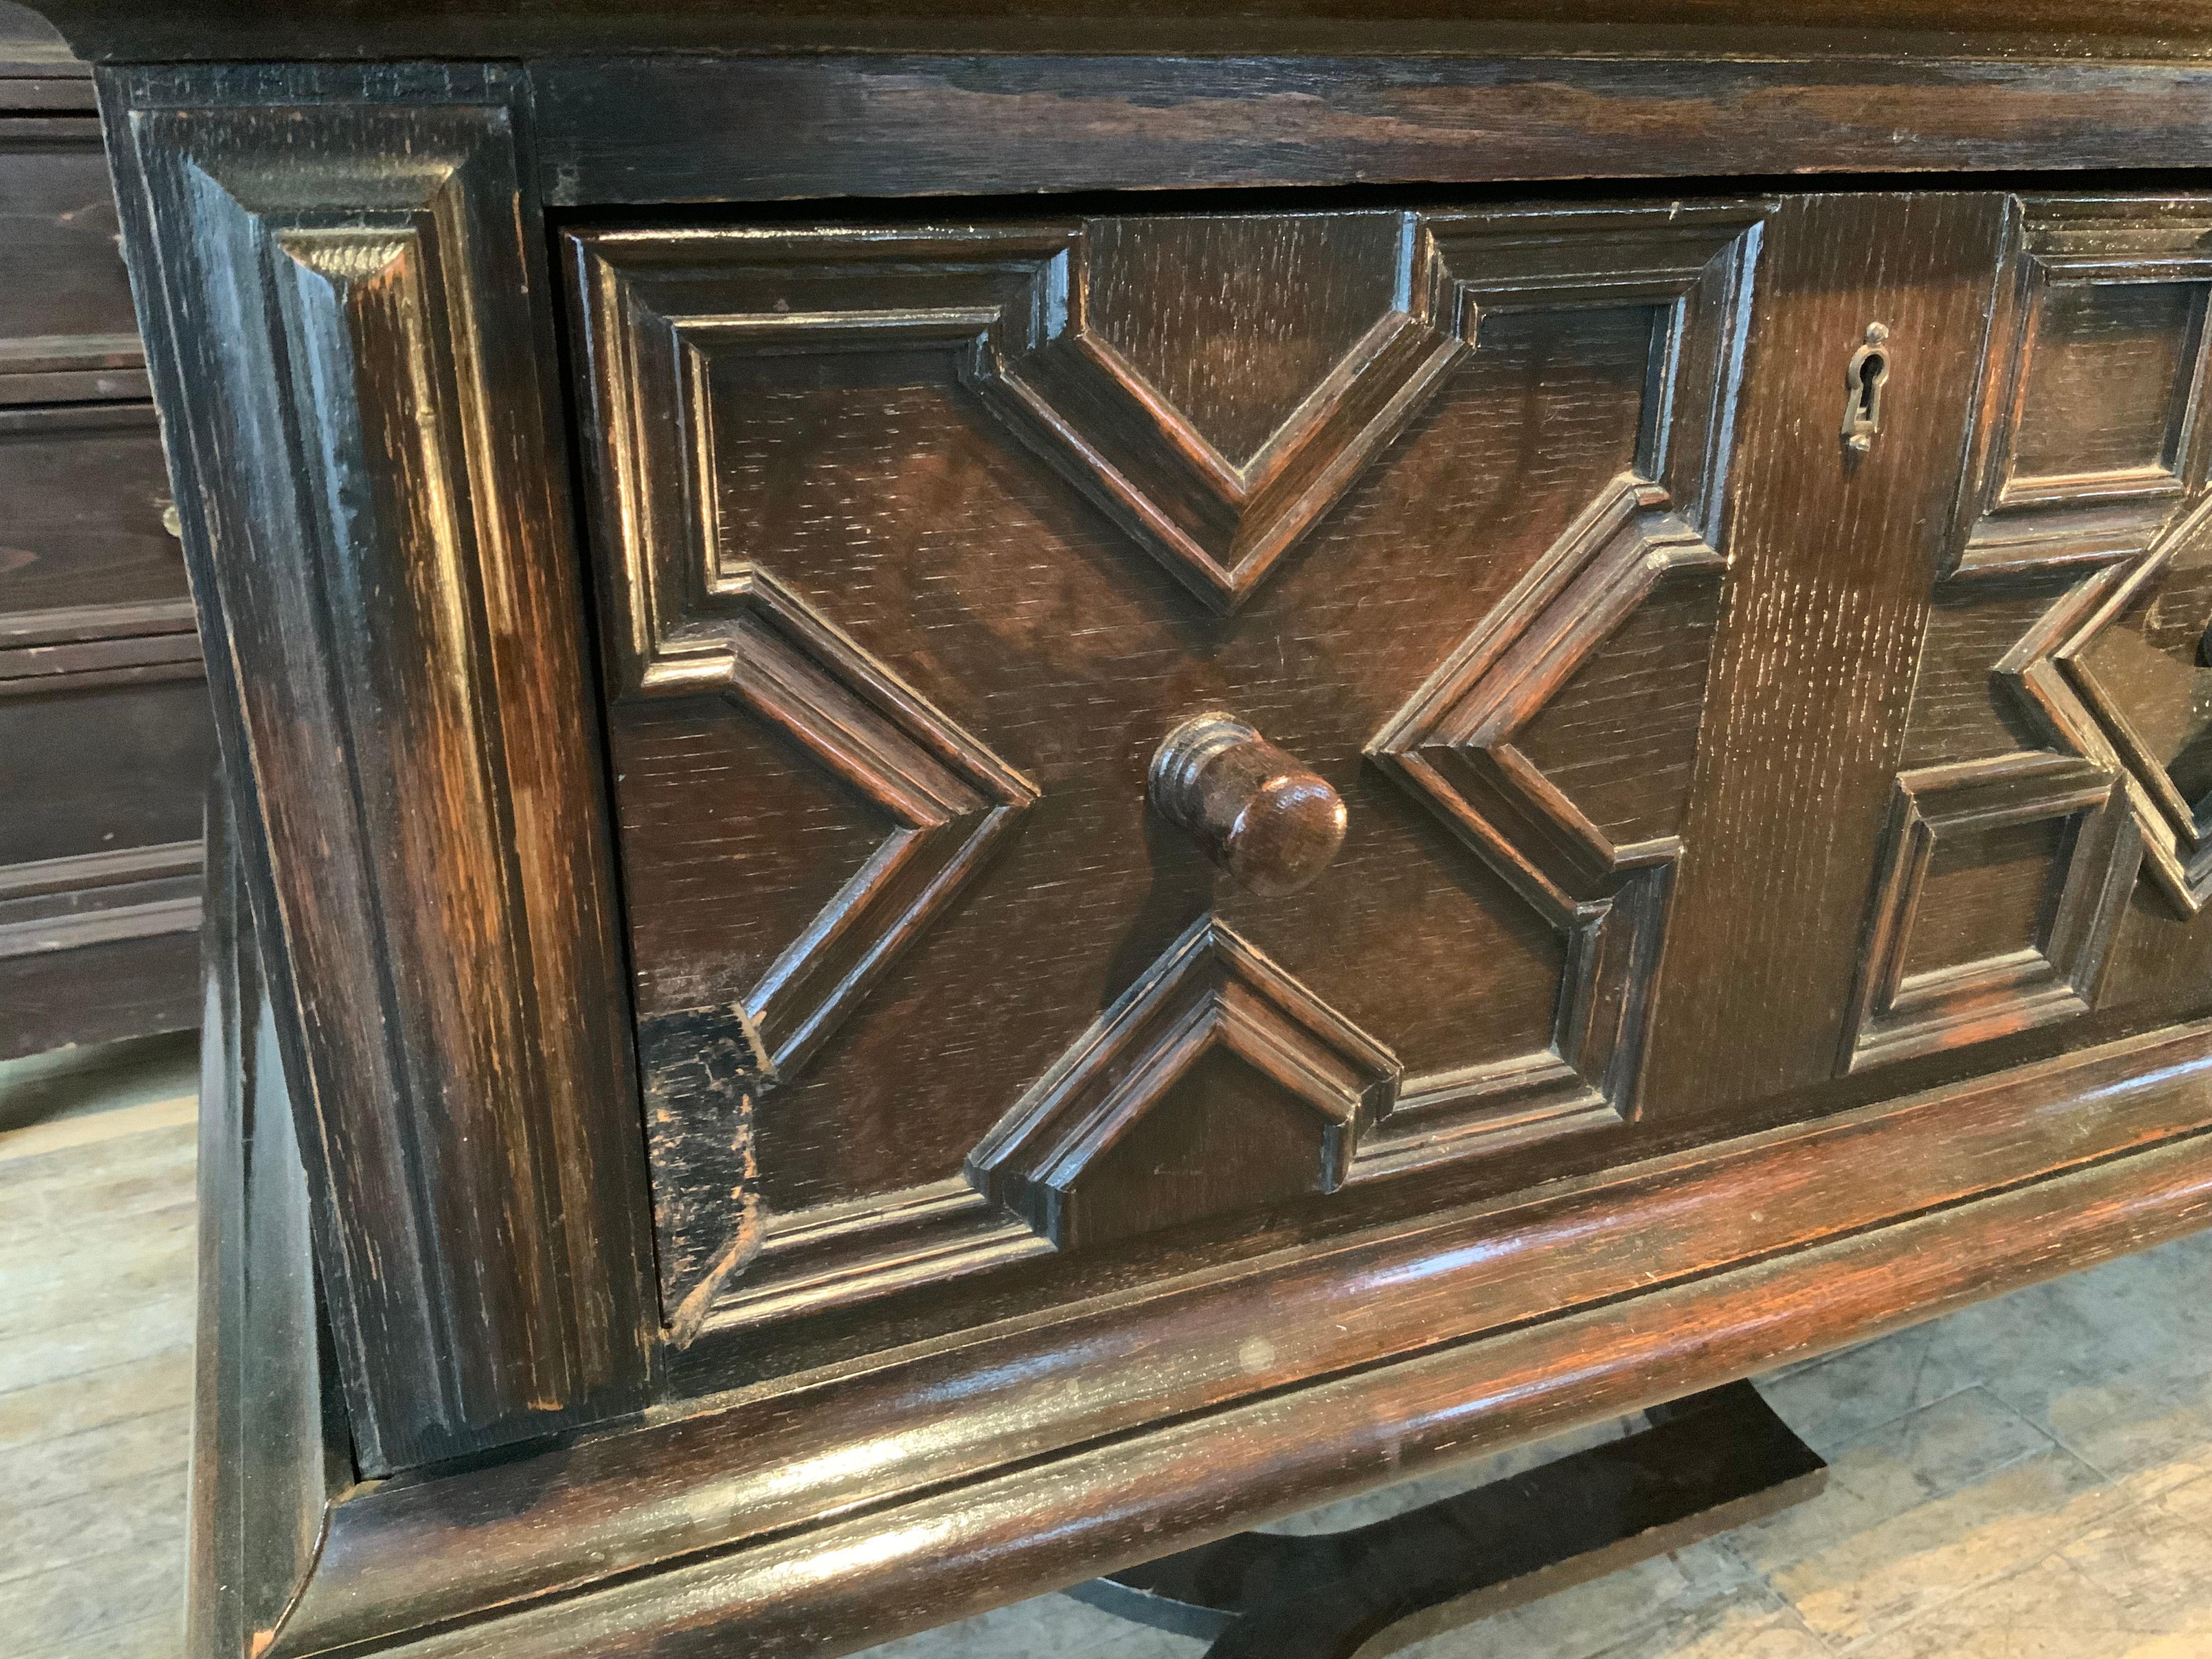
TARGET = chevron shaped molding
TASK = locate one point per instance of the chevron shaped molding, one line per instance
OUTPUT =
(1471, 743)
(950, 798)
(1108, 1143)
(1016, 309)
(1454, 743)
(2115, 673)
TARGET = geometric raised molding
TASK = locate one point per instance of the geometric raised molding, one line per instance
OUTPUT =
(2004, 880)
(2090, 437)
(2091, 452)
(2006, 874)
(2114, 672)
(1461, 744)
(950, 799)
(735, 381)
(1015, 304)
(1216, 1083)
(1217, 523)
(950, 802)
(1454, 745)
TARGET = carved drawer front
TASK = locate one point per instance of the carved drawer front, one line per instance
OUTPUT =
(2050, 836)
(918, 544)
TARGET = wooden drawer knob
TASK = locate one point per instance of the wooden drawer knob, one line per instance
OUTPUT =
(1260, 813)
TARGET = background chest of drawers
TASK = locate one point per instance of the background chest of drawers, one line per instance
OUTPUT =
(105, 742)
(993, 802)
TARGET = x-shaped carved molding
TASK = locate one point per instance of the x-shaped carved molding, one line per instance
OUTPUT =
(692, 612)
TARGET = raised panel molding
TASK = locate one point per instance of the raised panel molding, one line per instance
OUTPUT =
(1455, 744)
(1059, 1158)
(692, 612)
(2054, 974)
(2089, 457)
(950, 799)
(348, 275)
(2138, 531)
(1015, 306)
(2071, 256)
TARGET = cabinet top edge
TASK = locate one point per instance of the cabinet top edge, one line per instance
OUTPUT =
(162, 31)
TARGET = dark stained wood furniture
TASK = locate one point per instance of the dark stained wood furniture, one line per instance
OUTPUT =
(774, 1089)
(106, 741)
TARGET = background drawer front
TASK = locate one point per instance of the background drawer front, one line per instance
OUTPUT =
(85, 487)
(67, 332)
(110, 766)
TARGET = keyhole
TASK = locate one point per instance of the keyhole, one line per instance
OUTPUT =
(1872, 367)
(1869, 367)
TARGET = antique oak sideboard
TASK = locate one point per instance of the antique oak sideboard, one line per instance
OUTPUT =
(1005, 784)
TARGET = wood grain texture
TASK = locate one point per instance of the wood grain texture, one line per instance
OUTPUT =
(657, 130)
(99, 945)
(916, 530)
(1821, 631)
(86, 488)
(105, 743)
(59, 265)
(2086, 461)
(340, 266)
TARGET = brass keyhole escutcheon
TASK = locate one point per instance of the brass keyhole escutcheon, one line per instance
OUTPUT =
(1868, 370)
(1260, 813)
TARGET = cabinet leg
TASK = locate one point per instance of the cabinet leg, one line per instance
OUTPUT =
(1704, 1465)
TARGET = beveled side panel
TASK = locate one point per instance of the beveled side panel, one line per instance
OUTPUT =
(336, 272)
(268, 1453)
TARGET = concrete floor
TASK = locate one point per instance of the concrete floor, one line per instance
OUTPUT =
(2031, 1478)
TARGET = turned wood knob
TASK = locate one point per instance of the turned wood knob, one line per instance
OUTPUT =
(1261, 814)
